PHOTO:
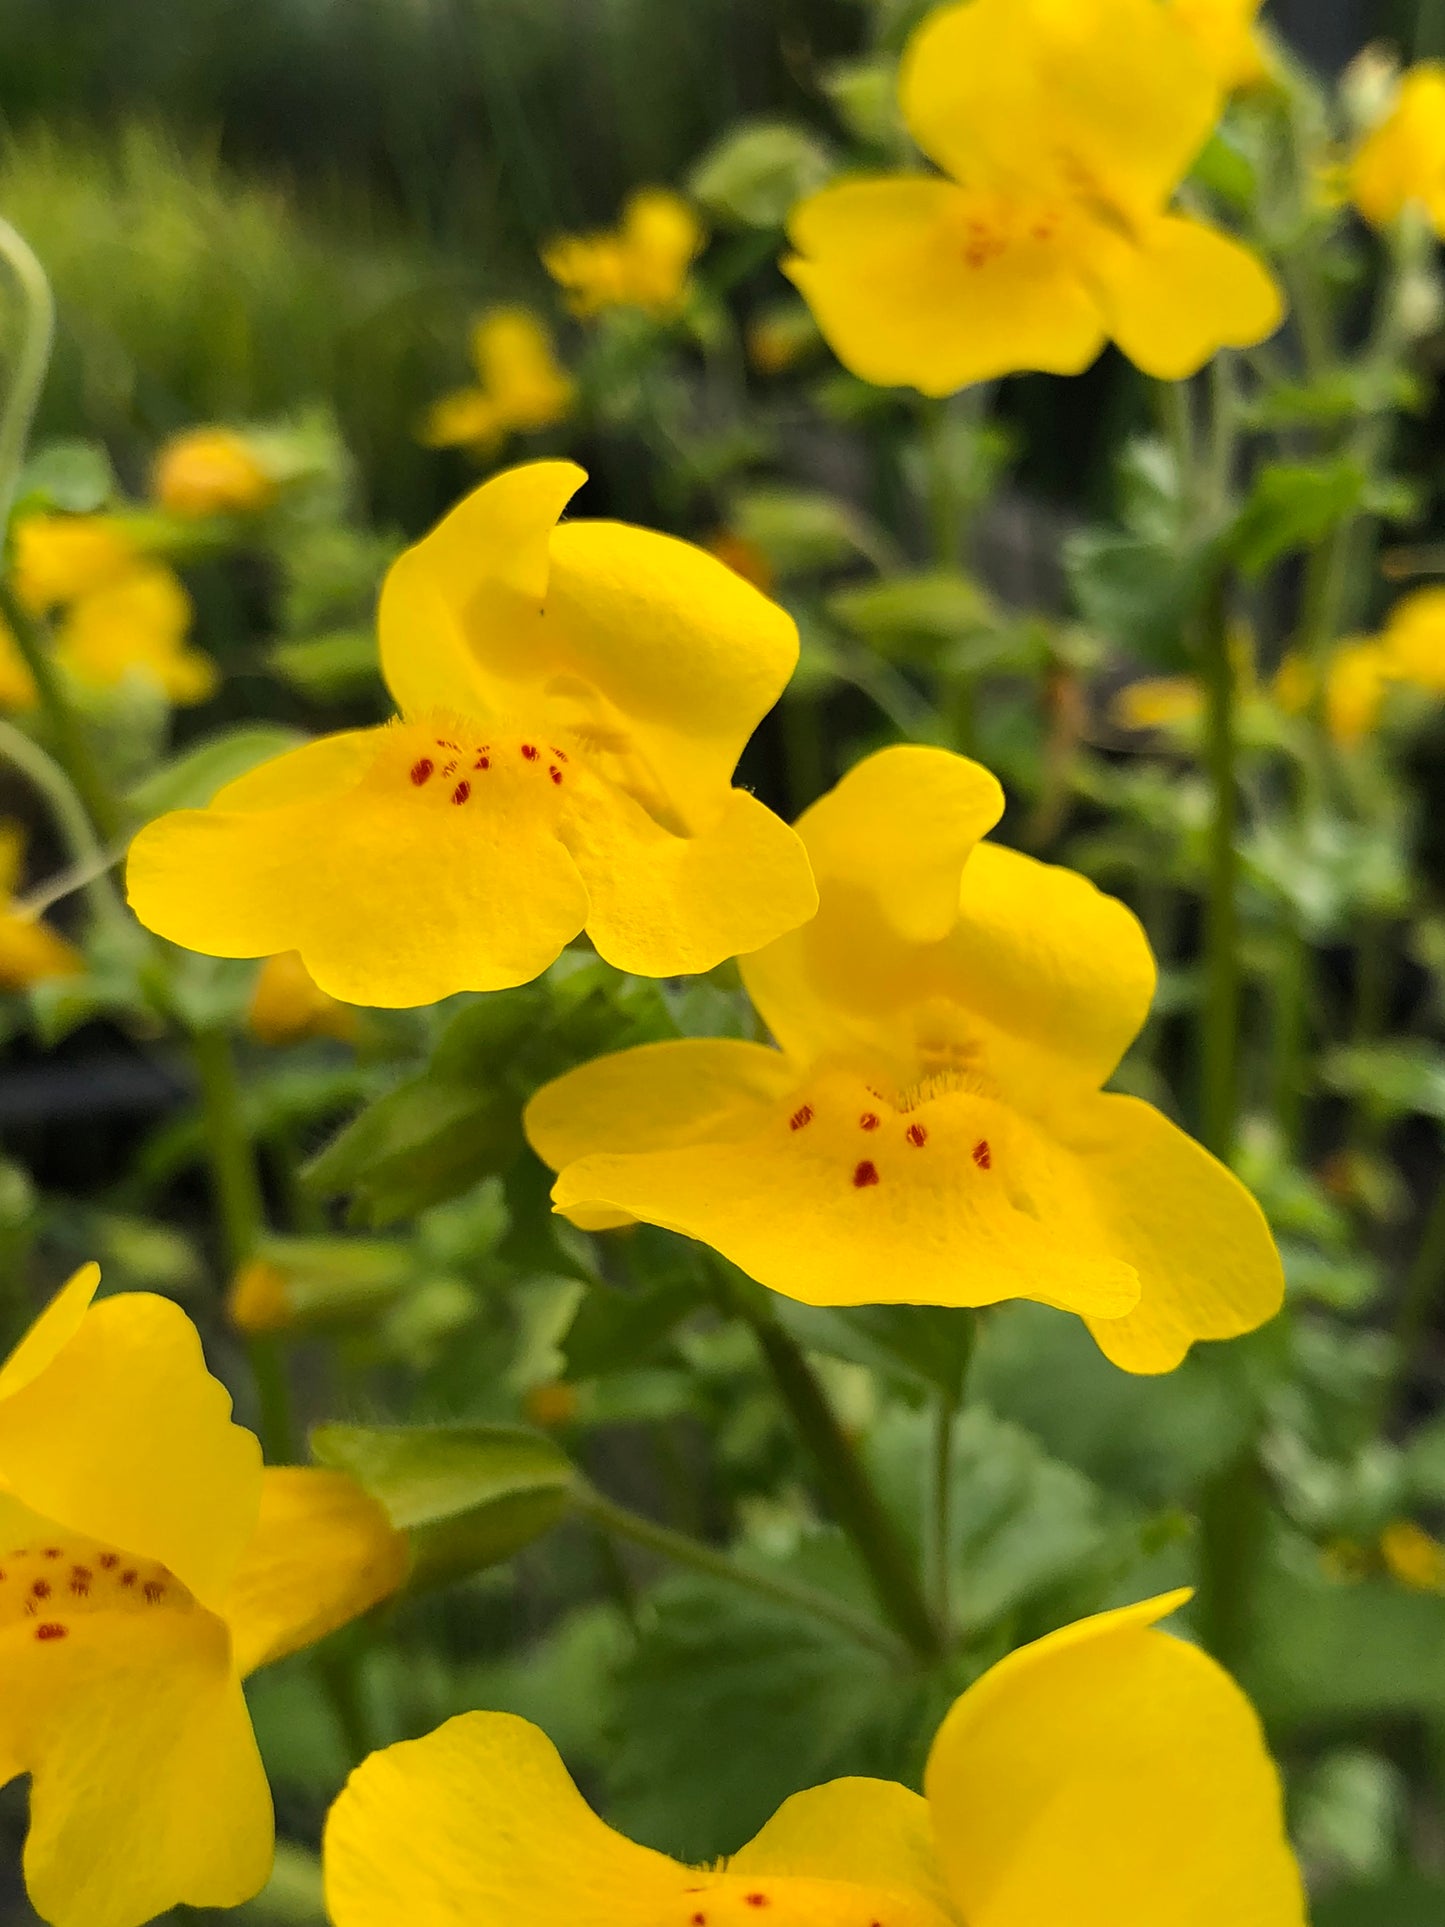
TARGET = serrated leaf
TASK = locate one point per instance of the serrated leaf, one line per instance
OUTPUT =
(1294, 505)
(467, 1496)
(1139, 592)
(189, 781)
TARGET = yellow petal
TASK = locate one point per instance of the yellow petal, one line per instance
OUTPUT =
(480, 1822)
(393, 893)
(663, 904)
(1207, 1264)
(287, 1005)
(687, 1091)
(873, 1832)
(848, 1195)
(146, 1787)
(136, 625)
(1181, 292)
(1402, 161)
(323, 1553)
(51, 1332)
(1225, 35)
(60, 557)
(124, 1435)
(211, 471)
(464, 416)
(1110, 1776)
(323, 767)
(661, 237)
(916, 283)
(1414, 639)
(32, 953)
(17, 685)
(519, 371)
(1105, 101)
(478, 580)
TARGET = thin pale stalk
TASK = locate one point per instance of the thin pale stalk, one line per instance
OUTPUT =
(713, 1564)
(31, 363)
(1220, 1031)
(89, 862)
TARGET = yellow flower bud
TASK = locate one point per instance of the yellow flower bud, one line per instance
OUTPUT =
(211, 471)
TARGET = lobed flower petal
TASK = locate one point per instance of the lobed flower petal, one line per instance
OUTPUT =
(146, 1787)
(51, 1332)
(914, 284)
(480, 1822)
(323, 1553)
(1110, 1776)
(1103, 100)
(1180, 291)
(872, 1832)
(1202, 1247)
(845, 1197)
(122, 1434)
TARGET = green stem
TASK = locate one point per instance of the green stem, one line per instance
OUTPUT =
(1233, 1525)
(60, 718)
(938, 1510)
(846, 1487)
(71, 820)
(240, 1213)
(1422, 1286)
(340, 1675)
(1291, 1031)
(31, 363)
(713, 1564)
(947, 527)
(1220, 1031)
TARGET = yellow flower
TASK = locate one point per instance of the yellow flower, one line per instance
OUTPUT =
(1401, 163)
(58, 558)
(932, 1129)
(520, 386)
(1062, 131)
(287, 1005)
(1226, 36)
(642, 263)
(135, 625)
(573, 700)
(1106, 1776)
(1157, 702)
(30, 951)
(257, 1301)
(1413, 1557)
(1358, 675)
(211, 471)
(149, 1564)
(17, 685)
(1414, 640)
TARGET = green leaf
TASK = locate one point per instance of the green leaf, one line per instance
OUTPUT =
(928, 1346)
(1294, 505)
(467, 1496)
(189, 781)
(1138, 591)
(340, 663)
(864, 94)
(758, 171)
(75, 477)
(913, 617)
(1402, 1900)
(1395, 1080)
(615, 1331)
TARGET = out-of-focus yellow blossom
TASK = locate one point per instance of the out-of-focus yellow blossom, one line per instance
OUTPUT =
(1413, 1557)
(551, 1404)
(256, 1301)
(574, 698)
(17, 685)
(288, 1005)
(59, 558)
(932, 1129)
(1226, 33)
(1401, 163)
(136, 624)
(1062, 131)
(30, 951)
(1414, 640)
(778, 339)
(1106, 1776)
(1157, 702)
(211, 471)
(1357, 679)
(643, 262)
(147, 1564)
(520, 385)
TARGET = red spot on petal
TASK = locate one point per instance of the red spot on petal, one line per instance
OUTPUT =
(865, 1174)
(449, 768)
(982, 1155)
(803, 1115)
(531, 752)
(109, 1560)
(52, 1629)
(461, 792)
(699, 1920)
(916, 1135)
(421, 770)
(560, 754)
(482, 762)
(868, 1121)
(554, 773)
(80, 1578)
(41, 1589)
(129, 1576)
(52, 1552)
(154, 1591)
(757, 1900)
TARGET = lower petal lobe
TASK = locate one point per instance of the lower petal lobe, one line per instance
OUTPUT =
(1181, 292)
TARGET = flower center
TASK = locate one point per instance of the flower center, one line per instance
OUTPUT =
(739, 1900)
(453, 764)
(47, 1586)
